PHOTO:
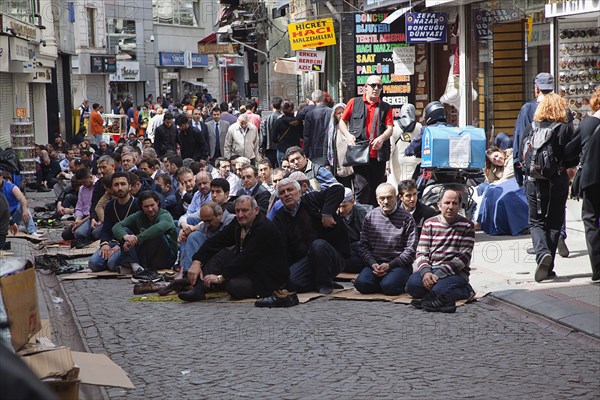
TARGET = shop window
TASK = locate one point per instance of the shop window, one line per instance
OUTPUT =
(19, 9)
(121, 38)
(176, 12)
(91, 25)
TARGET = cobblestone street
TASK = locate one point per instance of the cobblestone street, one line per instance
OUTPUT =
(327, 349)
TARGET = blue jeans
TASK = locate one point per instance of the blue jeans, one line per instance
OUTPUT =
(194, 241)
(317, 270)
(17, 218)
(193, 220)
(97, 263)
(454, 285)
(391, 284)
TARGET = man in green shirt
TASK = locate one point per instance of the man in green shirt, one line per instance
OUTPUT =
(148, 238)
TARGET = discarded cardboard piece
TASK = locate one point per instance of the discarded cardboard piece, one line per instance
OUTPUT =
(345, 276)
(22, 235)
(98, 369)
(19, 294)
(70, 252)
(353, 294)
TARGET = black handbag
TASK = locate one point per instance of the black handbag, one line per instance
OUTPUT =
(357, 154)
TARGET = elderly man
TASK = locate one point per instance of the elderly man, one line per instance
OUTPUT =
(443, 258)
(148, 238)
(367, 117)
(255, 268)
(242, 139)
(252, 186)
(202, 195)
(315, 240)
(320, 177)
(128, 162)
(353, 216)
(387, 246)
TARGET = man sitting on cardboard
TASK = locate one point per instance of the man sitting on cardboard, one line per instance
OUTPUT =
(443, 258)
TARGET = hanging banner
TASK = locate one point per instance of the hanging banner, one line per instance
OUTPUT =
(375, 43)
(426, 27)
(311, 34)
(310, 60)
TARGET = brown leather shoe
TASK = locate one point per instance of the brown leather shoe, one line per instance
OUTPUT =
(178, 285)
(145, 287)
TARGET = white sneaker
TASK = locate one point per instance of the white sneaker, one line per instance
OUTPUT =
(37, 235)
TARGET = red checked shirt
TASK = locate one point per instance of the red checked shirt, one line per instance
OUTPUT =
(389, 118)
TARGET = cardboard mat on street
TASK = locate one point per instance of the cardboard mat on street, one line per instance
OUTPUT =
(221, 297)
(404, 298)
(67, 251)
(88, 274)
(346, 277)
(22, 235)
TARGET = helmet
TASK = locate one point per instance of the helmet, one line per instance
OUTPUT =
(434, 112)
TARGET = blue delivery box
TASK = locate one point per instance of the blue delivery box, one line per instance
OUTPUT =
(446, 146)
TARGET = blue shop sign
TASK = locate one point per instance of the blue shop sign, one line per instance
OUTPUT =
(171, 59)
(180, 60)
(426, 27)
(199, 60)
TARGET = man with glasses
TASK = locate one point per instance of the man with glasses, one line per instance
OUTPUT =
(367, 117)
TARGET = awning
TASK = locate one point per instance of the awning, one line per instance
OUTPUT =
(286, 66)
(211, 37)
(200, 84)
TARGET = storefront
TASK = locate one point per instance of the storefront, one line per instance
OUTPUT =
(181, 73)
(125, 80)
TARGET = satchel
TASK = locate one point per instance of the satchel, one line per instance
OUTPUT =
(357, 154)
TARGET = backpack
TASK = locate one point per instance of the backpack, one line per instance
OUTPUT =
(537, 154)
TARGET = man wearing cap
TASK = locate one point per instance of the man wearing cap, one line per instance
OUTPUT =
(353, 216)
(543, 85)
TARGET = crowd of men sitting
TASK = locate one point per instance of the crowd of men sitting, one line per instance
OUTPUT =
(255, 232)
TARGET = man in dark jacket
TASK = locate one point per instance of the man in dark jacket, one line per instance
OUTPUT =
(315, 238)
(255, 268)
(193, 143)
(353, 215)
(165, 136)
(316, 125)
(407, 192)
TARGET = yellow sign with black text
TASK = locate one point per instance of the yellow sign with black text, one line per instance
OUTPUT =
(311, 34)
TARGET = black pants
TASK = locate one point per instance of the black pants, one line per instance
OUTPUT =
(354, 264)
(317, 270)
(547, 199)
(271, 154)
(590, 214)
(238, 287)
(366, 179)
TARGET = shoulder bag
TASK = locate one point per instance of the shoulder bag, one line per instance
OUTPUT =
(358, 154)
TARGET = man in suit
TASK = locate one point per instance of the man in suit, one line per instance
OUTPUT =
(252, 186)
(217, 132)
(192, 141)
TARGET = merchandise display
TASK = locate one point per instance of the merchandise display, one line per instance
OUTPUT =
(23, 143)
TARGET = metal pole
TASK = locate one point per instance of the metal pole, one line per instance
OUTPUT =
(267, 57)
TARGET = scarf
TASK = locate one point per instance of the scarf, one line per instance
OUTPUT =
(331, 130)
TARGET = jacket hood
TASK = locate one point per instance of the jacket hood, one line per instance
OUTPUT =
(408, 118)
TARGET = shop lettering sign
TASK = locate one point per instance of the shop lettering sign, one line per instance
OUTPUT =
(483, 24)
(571, 7)
(310, 60)
(426, 27)
(311, 34)
(374, 45)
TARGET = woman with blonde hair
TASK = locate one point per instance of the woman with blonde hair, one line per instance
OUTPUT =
(547, 197)
(498, 165)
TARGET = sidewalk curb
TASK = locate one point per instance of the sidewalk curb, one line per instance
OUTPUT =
(556, 327)
(63, 321)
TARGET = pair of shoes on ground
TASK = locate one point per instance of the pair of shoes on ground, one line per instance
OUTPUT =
(197, 292)
(280, 298)
(146, 275)
(177, 285)
(433, 302)
(146, 287)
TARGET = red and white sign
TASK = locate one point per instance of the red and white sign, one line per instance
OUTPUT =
(310, 60)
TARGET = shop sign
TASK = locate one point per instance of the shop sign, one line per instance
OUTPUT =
(218, 48)
(19, 49)
(42, 75)
(127, 71)
(4, 61)
(379, 4)
(103, 64)
(404, 60)
(21, 112)
(571, 7)
(231, 61)
(169, 76)
(502, 15)
(426, 27)
(374, 45)
(199, 60)
(483, 24)
(311, 34)
(171, 59)
(20, 29)
(310, 60)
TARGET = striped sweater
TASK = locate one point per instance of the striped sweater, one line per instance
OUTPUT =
(447, 248)
(388, 238)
